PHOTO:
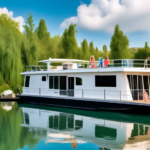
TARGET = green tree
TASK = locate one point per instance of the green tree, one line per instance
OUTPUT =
(91, 47)
(69, 42)
(10, 54)
(105, 51)
(119, 45)
(142, 53)
(42, 30)
(85, 50)
(31, 36)
(146, 45)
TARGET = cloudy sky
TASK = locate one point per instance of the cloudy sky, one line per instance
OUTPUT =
(95, 19)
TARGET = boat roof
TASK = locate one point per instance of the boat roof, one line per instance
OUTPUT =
(94, 70)
(56, 60)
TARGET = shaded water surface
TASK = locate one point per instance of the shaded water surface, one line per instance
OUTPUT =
(24, 127)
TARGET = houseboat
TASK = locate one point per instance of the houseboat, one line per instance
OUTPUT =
(121, 86)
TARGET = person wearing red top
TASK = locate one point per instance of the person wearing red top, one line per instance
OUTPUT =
(106, 61)
(92, 62)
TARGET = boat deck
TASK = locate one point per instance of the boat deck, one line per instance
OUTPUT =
(141, 101)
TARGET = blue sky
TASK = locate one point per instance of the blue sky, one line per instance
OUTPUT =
(98, 30)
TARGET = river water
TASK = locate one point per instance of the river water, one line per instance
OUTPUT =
(34, 127)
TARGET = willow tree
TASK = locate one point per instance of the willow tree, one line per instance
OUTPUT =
(10, 54)
(119, 45)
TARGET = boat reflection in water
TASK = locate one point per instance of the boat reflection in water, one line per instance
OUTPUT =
(59, 128)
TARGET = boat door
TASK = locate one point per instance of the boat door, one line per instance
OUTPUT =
(43, 84)
(70, 86)
(63, 85)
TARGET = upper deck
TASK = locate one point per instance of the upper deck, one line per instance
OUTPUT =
(78, 66)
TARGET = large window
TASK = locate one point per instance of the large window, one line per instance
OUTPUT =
(27, 81)
(53, 82)
(105, 81)
(78, 81)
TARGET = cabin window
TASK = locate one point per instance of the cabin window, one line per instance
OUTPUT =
(27, 80)
(43, 78)
(78, 81)
(51, 82)
(105, 81)
(56, 82)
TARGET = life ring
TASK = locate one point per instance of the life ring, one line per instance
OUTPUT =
(145, 96)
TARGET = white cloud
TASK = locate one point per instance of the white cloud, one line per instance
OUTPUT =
(103, 15)
(17, 19)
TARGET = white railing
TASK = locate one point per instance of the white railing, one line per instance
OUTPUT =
(104, 94)
(142, 63)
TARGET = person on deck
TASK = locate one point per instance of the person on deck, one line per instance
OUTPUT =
(106, 61)
(92, 62)
(100, 62)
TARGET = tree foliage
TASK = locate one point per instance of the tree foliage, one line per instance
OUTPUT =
(18, 50)
(42, 30)
(142, 53)
(85, 50)
(69, 42)
(31, 38)
(105, 50)
(119, 45)
(10, 60)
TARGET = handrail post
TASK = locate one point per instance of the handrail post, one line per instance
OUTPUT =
(120, 95)
(39, 91)
(82, 93)
(138, 94)
(104, 94)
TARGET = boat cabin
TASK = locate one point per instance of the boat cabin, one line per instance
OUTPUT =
(122, 79)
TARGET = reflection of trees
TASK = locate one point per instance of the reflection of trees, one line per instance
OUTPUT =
(12, 135)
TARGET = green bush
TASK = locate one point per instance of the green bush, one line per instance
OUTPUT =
(4, 87)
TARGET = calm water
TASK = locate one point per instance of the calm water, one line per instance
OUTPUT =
(24, 127)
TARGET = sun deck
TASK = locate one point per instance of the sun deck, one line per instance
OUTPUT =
(68, 65)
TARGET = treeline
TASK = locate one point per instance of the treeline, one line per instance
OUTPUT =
(17, 50)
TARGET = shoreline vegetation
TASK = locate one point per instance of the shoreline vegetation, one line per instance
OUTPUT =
(18, 50)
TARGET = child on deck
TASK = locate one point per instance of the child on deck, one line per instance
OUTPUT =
(100, 62)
